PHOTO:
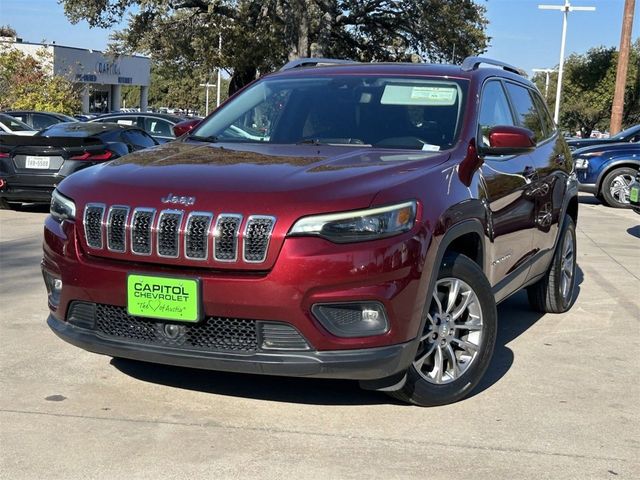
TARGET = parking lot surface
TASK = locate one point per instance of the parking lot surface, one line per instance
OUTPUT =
(560, 400)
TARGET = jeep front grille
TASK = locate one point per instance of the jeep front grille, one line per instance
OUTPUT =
(169, 224)
(93, 216)
(226, 238)
(196, 237)
(141, 224)
(116, 228)
(256, 238)
(175, 234)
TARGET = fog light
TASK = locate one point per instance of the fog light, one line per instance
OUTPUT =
(352, 319)
(54, 287)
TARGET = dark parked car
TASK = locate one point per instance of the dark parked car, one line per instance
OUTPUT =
(630, 135)
(607, 171)
(40, 120)
(158, 125)
(355, 221)
(31, 167)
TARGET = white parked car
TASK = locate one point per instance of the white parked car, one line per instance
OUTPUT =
(14, 126)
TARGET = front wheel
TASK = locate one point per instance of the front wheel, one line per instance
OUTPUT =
(458, 337)
(615, 187)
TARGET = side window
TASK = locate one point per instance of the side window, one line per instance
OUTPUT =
(139, 139)
(42, 121)
(157, 127)
(494, 110)
(526, 112)
(547, 122)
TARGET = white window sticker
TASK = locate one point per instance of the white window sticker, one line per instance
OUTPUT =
(124, 122)
(425, 96)
(430, 148)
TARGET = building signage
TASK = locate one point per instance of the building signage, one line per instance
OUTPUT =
(108, 68)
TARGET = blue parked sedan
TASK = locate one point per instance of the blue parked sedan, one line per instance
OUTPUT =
(607, 171)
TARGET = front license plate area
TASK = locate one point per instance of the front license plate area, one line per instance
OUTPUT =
(166, 298)
(41, 163)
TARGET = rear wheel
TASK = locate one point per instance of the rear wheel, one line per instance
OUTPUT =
(458, 338)
(554, 292)
(4, 205)
(615, 187)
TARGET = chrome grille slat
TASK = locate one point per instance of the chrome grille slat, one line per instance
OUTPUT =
(196, 235)
(117, 228)
(92, 222)
(257, 234)
(141, 226)
(225, 240)
(168, 233)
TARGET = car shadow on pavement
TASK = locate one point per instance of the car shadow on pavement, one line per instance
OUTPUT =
(515, 318)
(31, 207)
(634, 231)
(309, 391)
(589, 200)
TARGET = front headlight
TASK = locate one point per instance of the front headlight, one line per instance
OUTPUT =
(581, 163)
(62, 208)
(361, 225)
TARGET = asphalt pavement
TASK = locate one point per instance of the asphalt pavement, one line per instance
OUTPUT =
(560, 400)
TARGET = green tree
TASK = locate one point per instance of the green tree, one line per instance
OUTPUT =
(259, 36)
(26, 83)
(588, 86)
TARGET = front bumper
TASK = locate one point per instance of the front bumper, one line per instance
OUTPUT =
(358, 364)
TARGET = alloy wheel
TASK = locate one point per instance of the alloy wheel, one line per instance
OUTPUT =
(567, 267)
(619, 188)
(453, 332)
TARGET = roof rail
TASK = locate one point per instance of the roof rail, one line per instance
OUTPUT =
(472, 63)
(313, 62)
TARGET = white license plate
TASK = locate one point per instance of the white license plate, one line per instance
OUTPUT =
(38, 162)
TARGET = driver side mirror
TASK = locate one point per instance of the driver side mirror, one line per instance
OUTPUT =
(508, 140)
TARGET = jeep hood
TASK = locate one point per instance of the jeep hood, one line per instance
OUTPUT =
(250, 178)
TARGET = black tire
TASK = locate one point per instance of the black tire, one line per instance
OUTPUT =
(420, 391)
(546, 295)
(4, 205)
(605, 188)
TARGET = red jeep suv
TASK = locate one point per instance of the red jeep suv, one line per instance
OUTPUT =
(333, 219)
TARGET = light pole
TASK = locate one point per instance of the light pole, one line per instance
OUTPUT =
(565, 9)
(219, 81)
(206, 96)
(548, 71)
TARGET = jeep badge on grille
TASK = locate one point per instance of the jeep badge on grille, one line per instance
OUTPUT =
(177, 199)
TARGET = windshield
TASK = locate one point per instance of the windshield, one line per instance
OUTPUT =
(412, 113)
(626, 133)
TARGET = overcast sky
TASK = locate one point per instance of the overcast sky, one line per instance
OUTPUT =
(521, 34)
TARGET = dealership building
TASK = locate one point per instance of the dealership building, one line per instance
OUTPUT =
(100, 76)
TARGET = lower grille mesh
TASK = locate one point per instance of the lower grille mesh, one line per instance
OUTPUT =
(212, 334)
(215, 333)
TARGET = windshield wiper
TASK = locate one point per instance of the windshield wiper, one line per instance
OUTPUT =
(309, 141)
(209, 139)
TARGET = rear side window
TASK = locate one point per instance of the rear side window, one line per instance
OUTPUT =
(525, 110)
(547, 123)
(158, 127)
(494, 110)
(138, 139)
(42, 121)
